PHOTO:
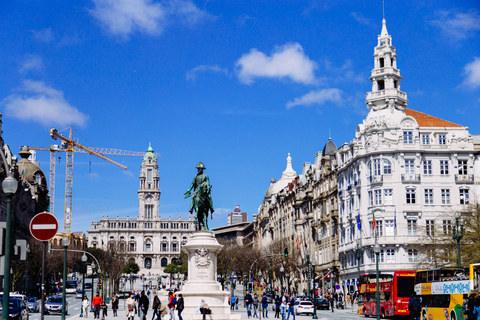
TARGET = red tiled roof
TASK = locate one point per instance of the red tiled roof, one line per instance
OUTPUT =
(425, 120)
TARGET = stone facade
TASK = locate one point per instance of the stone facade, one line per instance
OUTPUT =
(409, 170)
(150, 241)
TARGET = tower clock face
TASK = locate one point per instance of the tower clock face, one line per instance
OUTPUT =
(148, 199)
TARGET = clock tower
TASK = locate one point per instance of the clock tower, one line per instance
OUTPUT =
(149, 192)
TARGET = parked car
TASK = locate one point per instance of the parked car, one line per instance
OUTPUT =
(79, 294)
(33, 304)
(323, 304)
(17, 295)
(17, 309)
(54, 305)
(88, 285)
(303, 307)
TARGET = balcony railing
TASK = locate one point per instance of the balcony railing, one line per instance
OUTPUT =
(411, 178)
(464, 178)
(376, 179)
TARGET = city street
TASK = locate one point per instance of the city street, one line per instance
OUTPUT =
(74, 309)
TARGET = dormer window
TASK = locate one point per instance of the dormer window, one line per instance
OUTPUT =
(408, 137)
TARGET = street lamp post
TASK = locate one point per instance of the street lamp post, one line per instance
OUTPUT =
(458, 235)
(376, 249)
(91, 300)
(260, 304)
(26, 270)
(358, 254)
(9, 186)
(308, 274)
(314, 263)
(231, 283)
(84, 259)
(65, 243)
(282, 270)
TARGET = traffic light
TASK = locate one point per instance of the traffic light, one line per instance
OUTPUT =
(286, 252)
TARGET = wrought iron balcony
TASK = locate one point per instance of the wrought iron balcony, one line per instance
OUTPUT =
(411, 178)
(464, 178)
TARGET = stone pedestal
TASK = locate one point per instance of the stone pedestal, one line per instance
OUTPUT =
(202, 283)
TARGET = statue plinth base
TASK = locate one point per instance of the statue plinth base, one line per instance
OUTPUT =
(202, 249)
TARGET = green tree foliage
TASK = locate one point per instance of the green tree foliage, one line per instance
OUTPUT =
(131, 267)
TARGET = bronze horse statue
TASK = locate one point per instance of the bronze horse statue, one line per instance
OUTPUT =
(201, 200)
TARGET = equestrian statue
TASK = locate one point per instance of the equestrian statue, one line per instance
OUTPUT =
(201, 200)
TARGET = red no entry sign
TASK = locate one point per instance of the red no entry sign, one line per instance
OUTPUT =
(44, 226)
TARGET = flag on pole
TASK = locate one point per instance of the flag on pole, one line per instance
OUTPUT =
(359, 222)
(374, 222)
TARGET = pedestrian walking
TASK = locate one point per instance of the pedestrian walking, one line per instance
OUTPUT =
(155, 305)
(248, 303)
(255, 306)
(232, 302)
(114, 305)
(131, 304)
(180, 306)
(85, 305)
(332, 302)
(277, 307)
(172, 301)
(103, 308)
(236, 302)
(264, 306)
(96, 303)
(283, 306)
(414, 306)
(143, 303)
(291, 304)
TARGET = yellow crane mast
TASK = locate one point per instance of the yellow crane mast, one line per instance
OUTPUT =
(70, 147)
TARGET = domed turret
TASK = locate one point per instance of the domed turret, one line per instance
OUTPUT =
(330, 148)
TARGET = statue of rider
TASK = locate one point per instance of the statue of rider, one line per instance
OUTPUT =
(202, 187)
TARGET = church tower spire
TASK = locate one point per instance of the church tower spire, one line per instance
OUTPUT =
(149, 192)
(385, 77)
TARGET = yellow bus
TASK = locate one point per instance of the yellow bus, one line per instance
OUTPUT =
(442, 291)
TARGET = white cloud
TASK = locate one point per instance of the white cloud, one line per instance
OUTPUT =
(31, 63)
(43, 35)
(360, 18)
(43, 104)
(457, 26)
(472, 74)
(287, 61)
(317, 97)
(123, 17)
(192, 74)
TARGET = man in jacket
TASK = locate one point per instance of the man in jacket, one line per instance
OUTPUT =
(96, 302)
(155, 306)
(248, 303)
(143, 306)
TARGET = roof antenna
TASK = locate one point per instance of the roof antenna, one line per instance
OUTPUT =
(329, 134)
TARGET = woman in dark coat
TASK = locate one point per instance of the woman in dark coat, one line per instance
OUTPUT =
(115, 305)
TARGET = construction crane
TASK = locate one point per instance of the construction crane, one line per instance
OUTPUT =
(70, 146)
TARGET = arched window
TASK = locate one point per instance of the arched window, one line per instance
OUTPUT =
(163, 262)
(148, 263)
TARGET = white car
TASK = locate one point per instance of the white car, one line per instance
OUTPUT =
(303, 307)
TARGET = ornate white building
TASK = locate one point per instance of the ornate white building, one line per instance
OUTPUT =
(410, 170)
(150, 241)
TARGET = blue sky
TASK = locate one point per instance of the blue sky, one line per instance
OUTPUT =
(235, 84)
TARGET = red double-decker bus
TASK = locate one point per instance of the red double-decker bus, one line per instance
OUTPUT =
(395, 291)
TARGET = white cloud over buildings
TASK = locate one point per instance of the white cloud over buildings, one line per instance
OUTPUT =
(38, 102)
